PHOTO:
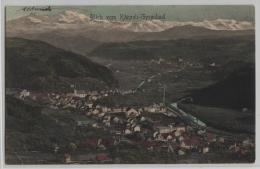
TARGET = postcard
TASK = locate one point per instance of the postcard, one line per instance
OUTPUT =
(129, 84)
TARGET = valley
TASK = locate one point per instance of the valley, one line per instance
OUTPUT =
(82, 91)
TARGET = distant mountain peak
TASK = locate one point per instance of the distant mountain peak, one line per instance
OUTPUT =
(34, 19)
(72, 19)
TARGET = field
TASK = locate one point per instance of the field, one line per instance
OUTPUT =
(233, 121)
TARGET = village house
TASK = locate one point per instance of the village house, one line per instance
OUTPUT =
(143, 119)
(210, 137)
(169, 137)
(24, 93)
(247, 143)
(137, 128)
(103, 158)
(240, 148)
(235, 148)
(83, 123)
(180, 138)
(155, 134)
(150, 109)
(201, 132)
(190, 142)
(101, 115)
(40, 96)
(221, 140)
(90, 105)
(128, 131)
(155, 108)
(100, 145)
(117, 110)
(107, 123)
(93, 98)
(165, 129)
(160, 137)
(205, 150)
(132, 113)
(105, 109)
(186, 144)
(180, 128)
(92, 93)
(107, 118)
(181, 152)
(95, 125)
(79, 93)
(67, 158)
(95, 112)
(177, 133)
(89, 113)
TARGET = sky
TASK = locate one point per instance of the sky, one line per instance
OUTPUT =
(172, 12)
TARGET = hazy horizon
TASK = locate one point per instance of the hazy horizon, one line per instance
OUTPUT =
(173, 13)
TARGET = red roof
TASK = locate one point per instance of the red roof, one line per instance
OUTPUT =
(90, 142)
(149, 143)
(107, 142)
(186, 136)
(210, 136)
(192, 141)
(76, 98)
(102, 157)
(165, 135)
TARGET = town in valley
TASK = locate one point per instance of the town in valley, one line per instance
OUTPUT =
(162, 128)
(163, 85)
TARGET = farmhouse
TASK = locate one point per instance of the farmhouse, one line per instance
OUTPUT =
(24, 93)
(165, 129)
(79, 93)
(132, 113)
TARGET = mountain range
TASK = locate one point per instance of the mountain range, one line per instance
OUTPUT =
(75, 20)
(76, 32)
(220, 50)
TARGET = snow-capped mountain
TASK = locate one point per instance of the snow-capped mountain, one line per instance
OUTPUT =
(77, 32)
(75, 20)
